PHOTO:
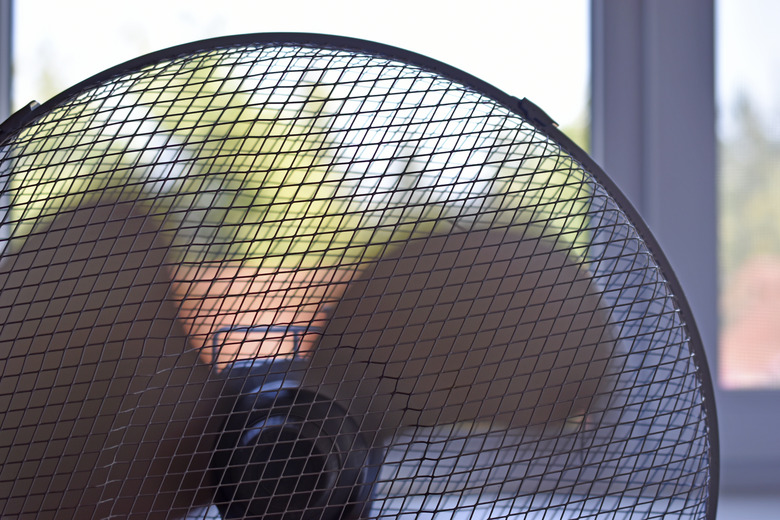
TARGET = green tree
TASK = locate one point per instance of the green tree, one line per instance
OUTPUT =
(749, 184)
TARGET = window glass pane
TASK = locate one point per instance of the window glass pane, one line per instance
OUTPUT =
(748, 90)
(538, 50)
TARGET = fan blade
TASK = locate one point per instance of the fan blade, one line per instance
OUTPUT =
(110, 409)
(483, 326)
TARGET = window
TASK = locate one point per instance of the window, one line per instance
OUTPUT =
(653, 106)
(749, 188)
(748, 52)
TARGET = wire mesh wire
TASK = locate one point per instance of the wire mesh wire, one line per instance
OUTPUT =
(458, 287)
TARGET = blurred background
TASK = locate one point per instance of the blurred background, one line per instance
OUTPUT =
(679, 101)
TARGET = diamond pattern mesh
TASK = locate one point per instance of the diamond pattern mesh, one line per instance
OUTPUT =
(456, 284)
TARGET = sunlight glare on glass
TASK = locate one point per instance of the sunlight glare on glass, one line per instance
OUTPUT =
(537, 50)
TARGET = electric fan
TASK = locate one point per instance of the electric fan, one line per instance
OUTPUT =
(291, 276)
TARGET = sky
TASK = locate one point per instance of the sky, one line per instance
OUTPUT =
(747, 46)
(538, 50)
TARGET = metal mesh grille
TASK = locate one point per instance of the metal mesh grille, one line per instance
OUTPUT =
(469, 297)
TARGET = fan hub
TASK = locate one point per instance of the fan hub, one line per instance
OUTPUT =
(289, 453)
(278, 465)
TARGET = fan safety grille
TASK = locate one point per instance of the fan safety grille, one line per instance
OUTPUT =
(272, 278)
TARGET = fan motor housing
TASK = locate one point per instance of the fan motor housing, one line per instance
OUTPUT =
(287, 452)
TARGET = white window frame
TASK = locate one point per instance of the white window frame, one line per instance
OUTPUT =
(6, 57)
(653, 132)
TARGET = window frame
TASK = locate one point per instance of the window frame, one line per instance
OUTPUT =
(6, 57)
(653, 132)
